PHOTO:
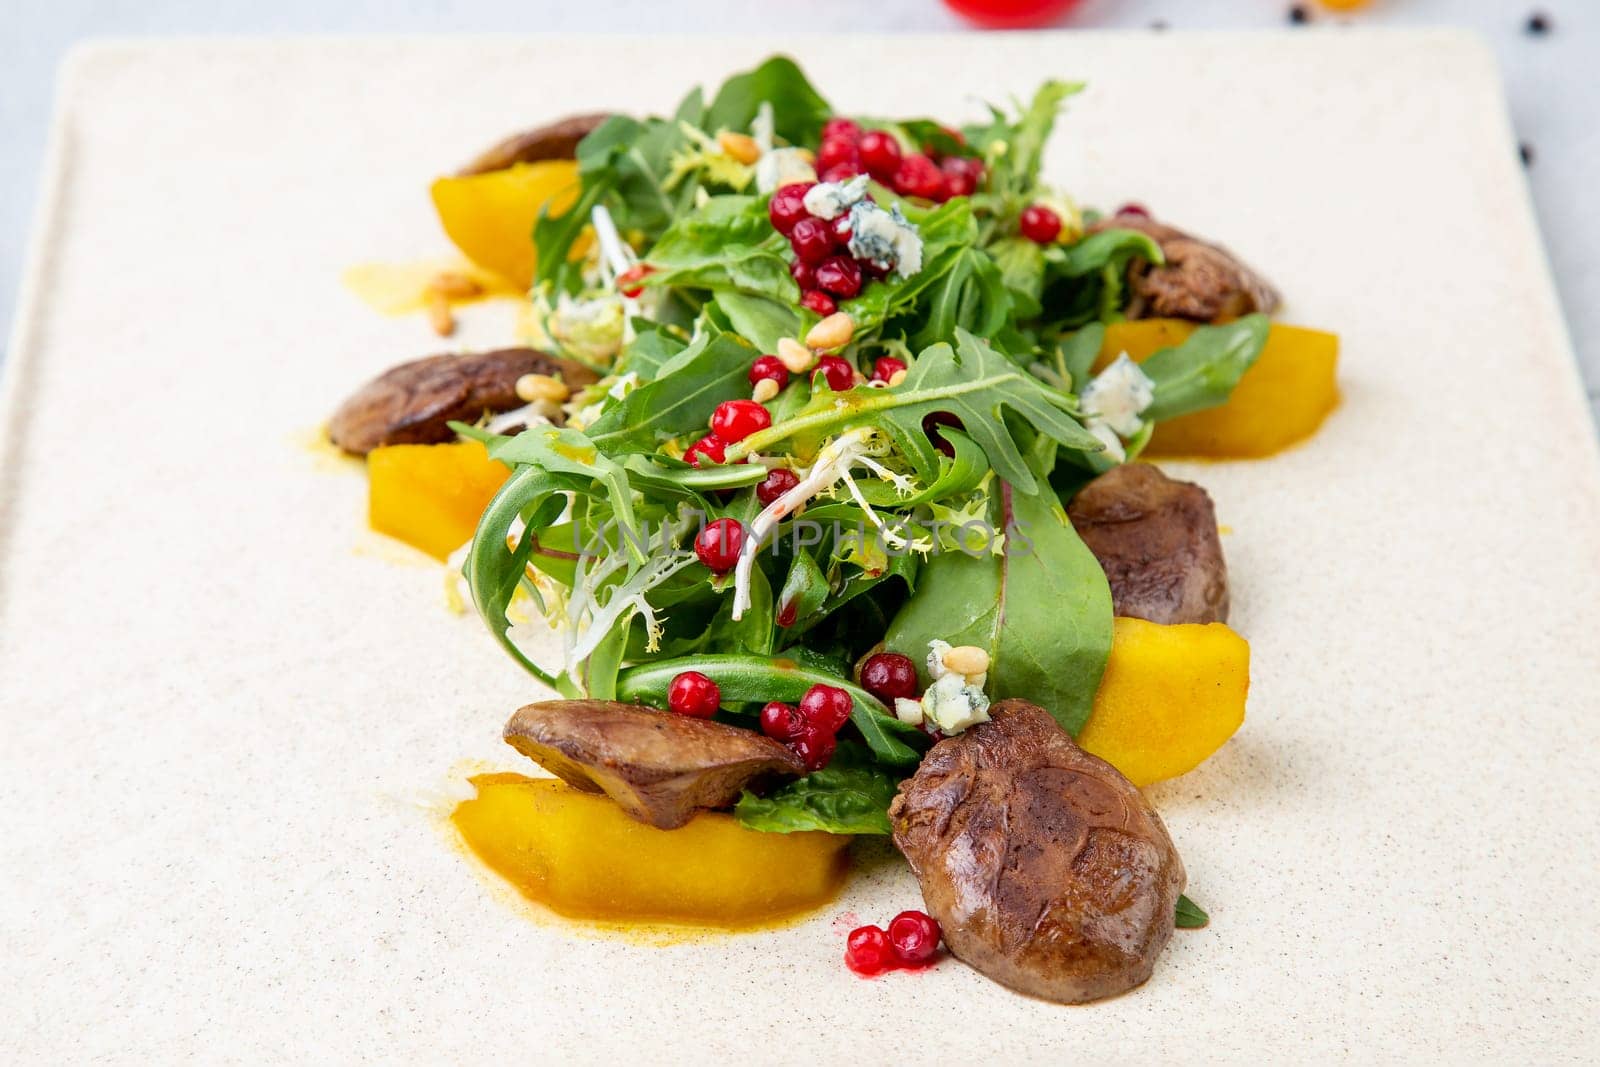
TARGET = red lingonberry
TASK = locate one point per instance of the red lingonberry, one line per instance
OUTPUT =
(886, 367)
(1134, 209)
(788, 206)
(837, 372)
(812, 240)
(818, 301)
(880, 154)
(963, 173)
(734, 420)
(769, 368)
(630, 281)
(847, 129)
(920, 176)
(804, 274)
(718, 544)
(692, 693)
(780, 721)
(868, 952)
(1039, 224)
(779, 480)
(827, 707)
(840, 275)
(841, 232)
(841, 172)
(914, 938)
(708, 447)
(837, 151)
(887, 675)
(814, 747)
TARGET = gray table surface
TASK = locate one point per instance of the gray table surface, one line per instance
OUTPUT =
(1550, 79)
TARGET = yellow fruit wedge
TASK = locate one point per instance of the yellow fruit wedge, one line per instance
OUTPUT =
(583, 857)
(490, 216)
(431, 496)
(1281, 399)
(1170, 697)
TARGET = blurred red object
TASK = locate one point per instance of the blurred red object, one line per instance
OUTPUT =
(1011, 14)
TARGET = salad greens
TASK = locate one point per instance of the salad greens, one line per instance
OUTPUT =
(923, 506)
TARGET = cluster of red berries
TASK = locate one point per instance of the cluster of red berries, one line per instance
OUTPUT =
(812, 728)
(823, 267)
(847, 151)
(733, 420)
(911, 940)
(889, 676)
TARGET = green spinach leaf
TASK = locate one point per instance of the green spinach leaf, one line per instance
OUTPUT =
(1190, 915)
(798, 110)
(850, 795)
(1042, 609)
(1202, 371)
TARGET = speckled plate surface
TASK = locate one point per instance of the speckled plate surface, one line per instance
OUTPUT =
(232, 718)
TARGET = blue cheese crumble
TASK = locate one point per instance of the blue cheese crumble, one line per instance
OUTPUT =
(1113, 403)
(954, 701)
(887, 238)
(829, 200)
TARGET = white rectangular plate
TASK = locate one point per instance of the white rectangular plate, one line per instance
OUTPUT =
(230, 720)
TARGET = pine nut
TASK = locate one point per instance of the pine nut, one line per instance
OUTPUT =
(454, 284)
(532, 388)
(795, 356)
(764, 391)
(966, 660)
(897, 377)
(740, 146)
(439, 316)
(832, 332)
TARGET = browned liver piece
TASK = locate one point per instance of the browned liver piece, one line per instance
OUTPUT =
(1046, 869)
(414, 403)
(661, 767)
(555, 140)
(1199, 280)
(1156, 538)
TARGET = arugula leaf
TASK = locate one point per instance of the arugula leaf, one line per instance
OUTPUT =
(1202, 371)
(566, 451)
(850, 795)
(680, 400)
(972, 382)
(798, 111)
(1027, 143)
(762, 319)
(1041, 609)
(652, 347)
(1076, 355)
(494, 571)
(1190, 916)
(1021, 264)
(1092, 253)
(1015, 166)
